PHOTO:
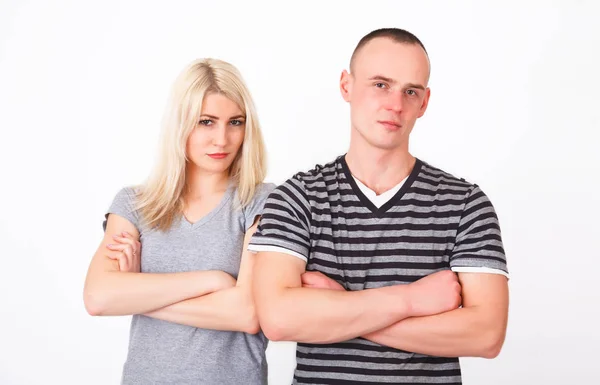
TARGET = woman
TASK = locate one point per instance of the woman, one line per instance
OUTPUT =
(174, 250)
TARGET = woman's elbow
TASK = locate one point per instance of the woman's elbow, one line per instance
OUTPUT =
(248, 318)
(252, 326)
(94, 304)
(96, 300)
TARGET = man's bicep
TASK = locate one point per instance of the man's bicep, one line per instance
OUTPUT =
(485, 296)
(485, 290)
(276, 271)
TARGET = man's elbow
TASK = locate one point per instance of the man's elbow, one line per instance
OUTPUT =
(273, 324)
(272, 329)
(492, 344)
(273, 332)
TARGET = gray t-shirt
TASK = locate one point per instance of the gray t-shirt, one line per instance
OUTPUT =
(162, 352)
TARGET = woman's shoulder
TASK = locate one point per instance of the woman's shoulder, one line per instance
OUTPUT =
(127, 194)
(124, 205)
(263, 190)
(129, 190)
(255, 207)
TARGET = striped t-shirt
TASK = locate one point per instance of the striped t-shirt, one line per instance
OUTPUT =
(434, 222)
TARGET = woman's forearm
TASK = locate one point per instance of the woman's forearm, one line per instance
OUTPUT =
(122, 293)
(230, 309)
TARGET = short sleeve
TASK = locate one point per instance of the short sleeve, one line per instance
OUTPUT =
(478, 245)
(255, 207)
(123, 205)
(285, 221)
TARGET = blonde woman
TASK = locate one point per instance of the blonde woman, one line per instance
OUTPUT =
(174, 250)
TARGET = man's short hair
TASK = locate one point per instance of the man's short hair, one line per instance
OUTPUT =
(396, 34)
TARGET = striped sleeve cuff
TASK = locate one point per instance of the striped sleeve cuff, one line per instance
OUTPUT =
(277, 249)
(464, 269)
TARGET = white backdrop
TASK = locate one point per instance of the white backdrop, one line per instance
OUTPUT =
(514, 108)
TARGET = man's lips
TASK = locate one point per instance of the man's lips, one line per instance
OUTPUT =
(390, 124)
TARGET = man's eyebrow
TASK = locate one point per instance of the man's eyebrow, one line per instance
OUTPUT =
(382, 78)
(415, 85)
(392, 81)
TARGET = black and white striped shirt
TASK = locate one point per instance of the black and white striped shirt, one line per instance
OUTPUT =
(434, 222)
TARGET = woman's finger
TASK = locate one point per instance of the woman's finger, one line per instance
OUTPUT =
(129, 252)
(117, 246)
(124, 240)
(123, 262)
(125, 234)
(114, 255)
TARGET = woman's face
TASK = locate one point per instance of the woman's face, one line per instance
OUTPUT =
(215, 141)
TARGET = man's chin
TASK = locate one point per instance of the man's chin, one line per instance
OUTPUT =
(386, 144)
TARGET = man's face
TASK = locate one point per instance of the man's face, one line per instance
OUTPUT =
(387, 91)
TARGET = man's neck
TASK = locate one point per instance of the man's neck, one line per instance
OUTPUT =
(380, 170)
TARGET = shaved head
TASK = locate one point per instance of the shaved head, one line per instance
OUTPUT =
(395, 34)
(387, 88)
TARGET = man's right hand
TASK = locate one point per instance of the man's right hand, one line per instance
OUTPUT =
(436, 293)
(318, 280)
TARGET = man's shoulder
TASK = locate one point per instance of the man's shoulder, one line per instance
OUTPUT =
(312, 183)
(318, 173)
(437, 178)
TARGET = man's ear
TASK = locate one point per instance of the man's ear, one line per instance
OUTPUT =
(346, 85)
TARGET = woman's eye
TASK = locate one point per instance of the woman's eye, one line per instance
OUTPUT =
(206, 122)
(236, 122)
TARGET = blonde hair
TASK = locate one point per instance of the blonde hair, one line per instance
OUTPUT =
(160, 198)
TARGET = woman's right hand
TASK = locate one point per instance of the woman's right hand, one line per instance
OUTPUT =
(127, 251)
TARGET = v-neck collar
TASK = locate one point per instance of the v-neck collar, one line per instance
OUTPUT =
(393, 200)
(379, 199)
(206, 218)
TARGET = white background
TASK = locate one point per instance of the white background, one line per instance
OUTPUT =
(514, 108)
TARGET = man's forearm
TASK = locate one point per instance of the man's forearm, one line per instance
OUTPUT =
(327, 316)
(464, 332)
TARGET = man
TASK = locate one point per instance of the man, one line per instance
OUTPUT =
(366, 260)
